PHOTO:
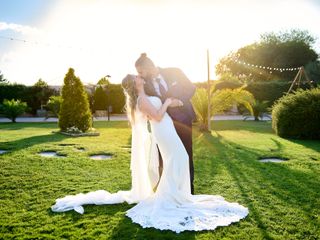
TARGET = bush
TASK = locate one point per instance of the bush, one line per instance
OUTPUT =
(12, 109)
(297, 115)
(53, 105)
(268, 91)
(13, 91)
(74, 110)
(34, 96)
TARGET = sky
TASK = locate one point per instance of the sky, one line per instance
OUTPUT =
(104, 37)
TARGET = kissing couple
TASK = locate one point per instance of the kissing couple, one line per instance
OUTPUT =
(161, 114)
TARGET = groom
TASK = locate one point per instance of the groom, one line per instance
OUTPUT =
(171, 82)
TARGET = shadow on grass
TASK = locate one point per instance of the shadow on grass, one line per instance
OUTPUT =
(259, 181)
(23, 143)
(111, 124)
(18, 125)
(126, 229)
(252, 126)
(312, 144)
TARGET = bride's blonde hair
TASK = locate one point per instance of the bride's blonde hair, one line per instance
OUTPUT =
(130, 91)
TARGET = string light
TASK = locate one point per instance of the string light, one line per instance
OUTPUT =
(268, 68)
(39, 43)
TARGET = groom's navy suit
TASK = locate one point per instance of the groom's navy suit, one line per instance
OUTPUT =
(180, 87)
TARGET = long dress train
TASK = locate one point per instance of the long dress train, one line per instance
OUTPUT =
(172, 206)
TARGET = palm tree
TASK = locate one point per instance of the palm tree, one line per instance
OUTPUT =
(221, 100)
(259, 110)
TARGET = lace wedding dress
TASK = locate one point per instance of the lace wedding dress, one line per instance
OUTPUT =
(171, 206)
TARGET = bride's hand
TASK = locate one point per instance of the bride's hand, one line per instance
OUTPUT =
(168, 101)
(175, 103)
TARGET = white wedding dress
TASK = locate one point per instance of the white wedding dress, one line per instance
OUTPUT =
(171, 206)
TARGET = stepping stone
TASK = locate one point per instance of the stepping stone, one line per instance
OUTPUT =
(81, 149)
(3, 151)
(100, 157)
(272, 159)
(50, 154)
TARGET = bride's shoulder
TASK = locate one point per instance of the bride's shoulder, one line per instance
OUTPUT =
(141, 99)
(145, 99)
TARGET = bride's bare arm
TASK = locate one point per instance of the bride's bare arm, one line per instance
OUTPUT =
(148, 109)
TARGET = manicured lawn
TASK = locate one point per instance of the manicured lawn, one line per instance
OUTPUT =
(283, 198)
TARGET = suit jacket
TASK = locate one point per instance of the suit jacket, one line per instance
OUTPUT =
(180, 87)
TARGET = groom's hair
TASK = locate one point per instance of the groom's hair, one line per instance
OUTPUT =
(144, 61)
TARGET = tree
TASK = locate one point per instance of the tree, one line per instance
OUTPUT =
(75, 106)
(277, 50)
(41, 92)
(12, 109)
(221, 100)
(313, 71)
(40, 83)
(100, 99)
(103, 81)
(259, 109)
(38, 95)
(54, 105)
(116, 98)
(2, 79)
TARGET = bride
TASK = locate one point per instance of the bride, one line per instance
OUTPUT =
(164, 203)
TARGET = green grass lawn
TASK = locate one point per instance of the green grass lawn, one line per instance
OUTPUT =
(283, 198)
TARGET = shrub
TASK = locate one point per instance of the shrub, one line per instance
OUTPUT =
(297, 115)
(12, 109)
(74, 110)
(34, 96)
(53, 105)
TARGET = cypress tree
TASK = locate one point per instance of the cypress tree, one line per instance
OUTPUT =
(74, 109)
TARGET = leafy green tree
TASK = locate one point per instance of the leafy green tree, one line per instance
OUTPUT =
(12, 109)
(313, 71)
(116, 98)
(75, 106)
(103, 81)
(277, 50)
(54, 105)
(38, 95)
(100, 99)
(40, 83)
(2, 79)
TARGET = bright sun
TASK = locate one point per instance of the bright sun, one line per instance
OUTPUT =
(104, 37)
